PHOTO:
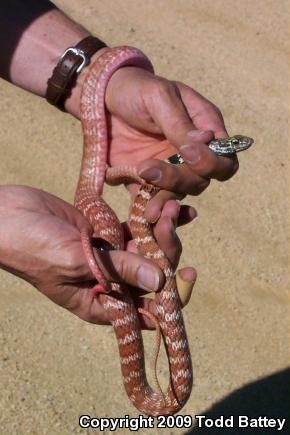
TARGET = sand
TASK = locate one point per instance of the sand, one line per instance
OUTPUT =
(55, 367)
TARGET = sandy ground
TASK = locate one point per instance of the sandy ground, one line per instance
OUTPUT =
(55, 367)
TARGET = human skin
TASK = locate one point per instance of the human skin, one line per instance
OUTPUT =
(150, 116)
(157, 117)
(40, 242)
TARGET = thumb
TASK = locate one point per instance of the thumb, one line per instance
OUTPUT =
(185, 280)
(130, 268)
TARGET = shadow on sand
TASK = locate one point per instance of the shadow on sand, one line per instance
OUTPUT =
(268, 397)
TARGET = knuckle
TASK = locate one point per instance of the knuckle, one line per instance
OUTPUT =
(164, 87)
(125, 269)
(209, 167)
(200, 187)
(208, 163)
(227, 173)
(204, 185)
(71, 264)
(175, 180)
(121, 268)
(168, 181)
(179, 124)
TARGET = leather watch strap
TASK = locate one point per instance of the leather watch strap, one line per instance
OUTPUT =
(64, 75)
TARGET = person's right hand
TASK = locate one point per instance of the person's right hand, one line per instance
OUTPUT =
(40, 242)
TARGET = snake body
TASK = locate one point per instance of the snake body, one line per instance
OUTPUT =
(116, 299)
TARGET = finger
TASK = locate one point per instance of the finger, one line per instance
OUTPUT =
(135, 270)
(186, 215)
(156, 204)
(185, 280)
(176, 178)
(188, 119)
(205, 162)
(171, 209)
(179, 214)
(165, 235)
(167, 239)
(180, 110)
(202, 164)
(204, 114)
(166, 108)
(164, 230)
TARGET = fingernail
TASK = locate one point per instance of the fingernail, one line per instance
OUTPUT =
(150, 174)
(187, 275)
(147, 279)
(192, 213)
(190, 153)
(196, 133)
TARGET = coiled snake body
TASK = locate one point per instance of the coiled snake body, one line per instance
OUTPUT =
(117, 301)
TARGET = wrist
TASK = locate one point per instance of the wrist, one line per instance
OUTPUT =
(72, 102)
(39, 49)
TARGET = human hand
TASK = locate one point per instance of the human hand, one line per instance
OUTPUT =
(151, 118)
(40, 242)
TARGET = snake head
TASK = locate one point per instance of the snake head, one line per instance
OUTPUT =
(240, 143)
(230, 145)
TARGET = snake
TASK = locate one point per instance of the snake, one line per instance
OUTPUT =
(116, 298)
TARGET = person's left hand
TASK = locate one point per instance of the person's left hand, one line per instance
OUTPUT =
(152, 118)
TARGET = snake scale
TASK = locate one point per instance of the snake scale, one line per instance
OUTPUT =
(116, 299)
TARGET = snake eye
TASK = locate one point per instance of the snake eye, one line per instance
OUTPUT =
(235, 141)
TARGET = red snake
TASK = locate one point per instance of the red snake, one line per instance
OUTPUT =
(116, 298)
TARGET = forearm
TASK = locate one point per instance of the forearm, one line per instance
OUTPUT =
(34, 35)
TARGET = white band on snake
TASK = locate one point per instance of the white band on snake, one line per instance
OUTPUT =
(116, 298)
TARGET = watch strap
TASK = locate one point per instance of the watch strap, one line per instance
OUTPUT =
(70, 64)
